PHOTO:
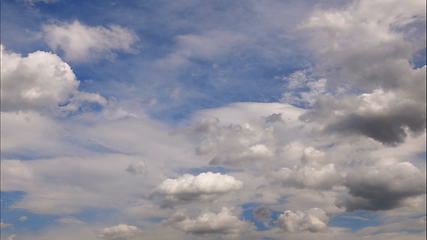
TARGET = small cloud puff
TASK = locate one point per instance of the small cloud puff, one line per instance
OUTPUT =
(223, 223)
(203, 186)
(83, 43)
(119, 232)
(312, 220)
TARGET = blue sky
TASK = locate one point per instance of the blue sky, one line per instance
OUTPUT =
(185, 119)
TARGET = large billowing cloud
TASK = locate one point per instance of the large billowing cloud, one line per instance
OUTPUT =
(384, 186)
(83, 43)
(353, 144)
(362, 49)
(40, 81)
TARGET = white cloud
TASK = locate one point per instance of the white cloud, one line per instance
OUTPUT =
(119, 232)
(40, 81)
(324, 177)
(206, 45)
(313, 220)
(205, 185)
(84, 43)
(222, 223)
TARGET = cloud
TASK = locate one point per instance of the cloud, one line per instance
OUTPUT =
(207, 45)
(222, 223)
(40, 81)
(119, 232)
(198, 187)
(313, 220)
(324, 177)
(263, 214)
(358, 50)
(11, 237)
(5, 225)
(243, 134)
(70, 220)
(376, 187)
(136, 167)
(387, 117)
(23, 218)
(82, 43)
(66, 185)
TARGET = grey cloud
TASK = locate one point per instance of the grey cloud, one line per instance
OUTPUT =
(383, 187)
(362, 50)
(388, 127)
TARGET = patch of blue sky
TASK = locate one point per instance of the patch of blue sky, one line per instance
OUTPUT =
(243, 75)
(420, 58)
(248, 215)
(355, 220)
(11, 215)
(196, 171)
(422, 155)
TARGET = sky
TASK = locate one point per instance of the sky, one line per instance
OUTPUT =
(216, 120)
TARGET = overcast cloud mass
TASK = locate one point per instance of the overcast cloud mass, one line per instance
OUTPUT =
(251, 120)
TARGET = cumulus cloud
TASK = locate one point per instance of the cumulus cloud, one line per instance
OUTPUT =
(361, 50)
(312, 172)
(196, 187)
(312, 220)
(80, 42)
(222, 223)
(324, 177)
(40, 81)
(119, 232)
(384, 186)
(387, 117)
(244, 134)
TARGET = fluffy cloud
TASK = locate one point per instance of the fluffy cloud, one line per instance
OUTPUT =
(83, 43)
(244, 133)
(40, 81)
(203, 186)
(222, 223)
(313, 220)
(324, 177)
(119, 232)
(360, 50)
